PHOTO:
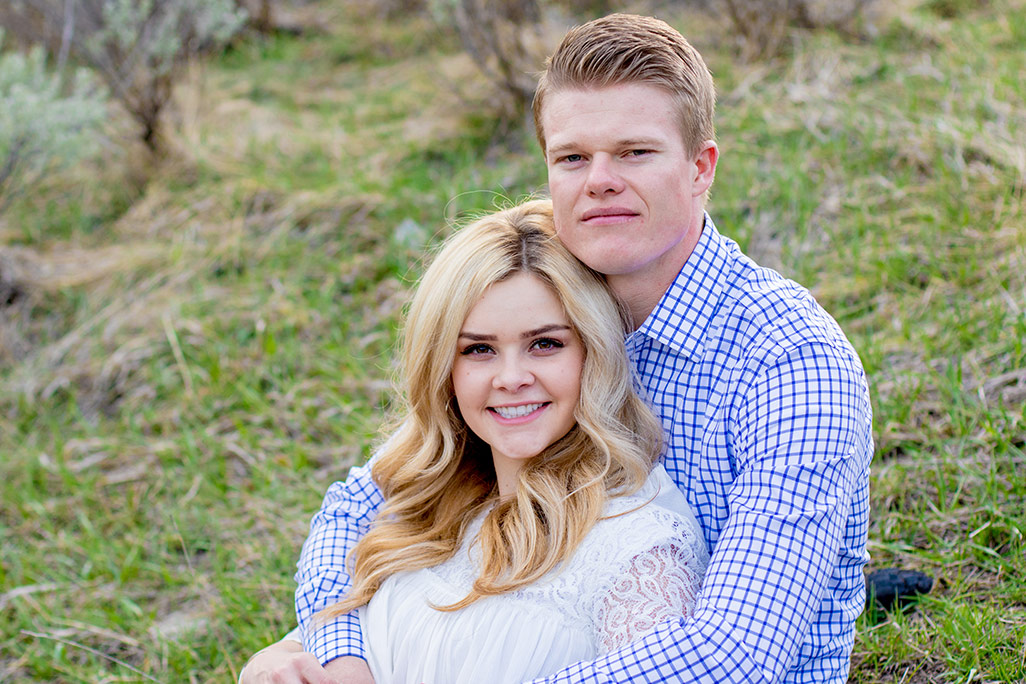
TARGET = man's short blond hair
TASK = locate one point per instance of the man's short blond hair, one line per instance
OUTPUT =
(628, 48)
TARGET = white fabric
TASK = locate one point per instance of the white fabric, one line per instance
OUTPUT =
(641, 565)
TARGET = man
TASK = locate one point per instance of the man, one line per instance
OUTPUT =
(763, 400)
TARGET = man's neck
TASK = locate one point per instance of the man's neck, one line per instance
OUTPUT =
(638, 296)
(641, 291)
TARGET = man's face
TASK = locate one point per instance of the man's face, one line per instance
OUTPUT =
(627, 194)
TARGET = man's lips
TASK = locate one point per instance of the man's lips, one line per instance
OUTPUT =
(608, 215)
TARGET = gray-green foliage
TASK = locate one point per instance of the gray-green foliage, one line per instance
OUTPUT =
(41, 125)
(138, 46)
(162, 35)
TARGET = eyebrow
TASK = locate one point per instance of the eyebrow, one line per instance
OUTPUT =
(627, 142)
(475, 337)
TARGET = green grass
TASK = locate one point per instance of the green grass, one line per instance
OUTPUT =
(206, 355)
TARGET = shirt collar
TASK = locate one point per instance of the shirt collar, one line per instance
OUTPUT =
(687, 307)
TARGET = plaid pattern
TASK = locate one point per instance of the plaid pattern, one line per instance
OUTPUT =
(345, 515)
(768, 427)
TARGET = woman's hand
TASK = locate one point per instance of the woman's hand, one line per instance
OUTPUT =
(285, 662)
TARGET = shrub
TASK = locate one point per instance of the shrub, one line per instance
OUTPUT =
(504, 39)
(138, 47)
(39, 124)
(762, 24)
(260, 13)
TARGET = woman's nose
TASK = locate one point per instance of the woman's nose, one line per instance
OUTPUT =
(513, 374)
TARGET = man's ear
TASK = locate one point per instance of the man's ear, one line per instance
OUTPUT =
(705, 167)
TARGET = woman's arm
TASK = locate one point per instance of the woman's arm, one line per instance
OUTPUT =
(660, 584)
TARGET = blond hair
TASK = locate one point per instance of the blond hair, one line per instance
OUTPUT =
(437, 476)
(628, 48)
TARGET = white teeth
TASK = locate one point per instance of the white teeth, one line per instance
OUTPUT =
(516, 411)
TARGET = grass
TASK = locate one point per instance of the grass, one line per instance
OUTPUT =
(186, 367)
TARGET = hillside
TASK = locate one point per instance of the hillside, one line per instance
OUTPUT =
(193, 348)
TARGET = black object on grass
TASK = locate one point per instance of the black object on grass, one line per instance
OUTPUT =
(888, 586)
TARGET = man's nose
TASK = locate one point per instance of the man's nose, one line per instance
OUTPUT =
(603, 177)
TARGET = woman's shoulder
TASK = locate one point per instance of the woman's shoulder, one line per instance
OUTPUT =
(658, 499)
(656, 515)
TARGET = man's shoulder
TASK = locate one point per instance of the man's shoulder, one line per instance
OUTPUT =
(725, 307)
(761, 308)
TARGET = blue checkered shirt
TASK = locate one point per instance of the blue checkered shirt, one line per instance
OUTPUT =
(768, 425)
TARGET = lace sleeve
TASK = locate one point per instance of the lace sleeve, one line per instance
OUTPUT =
(656, 585)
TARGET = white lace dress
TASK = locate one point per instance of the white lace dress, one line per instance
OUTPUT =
(634, 570)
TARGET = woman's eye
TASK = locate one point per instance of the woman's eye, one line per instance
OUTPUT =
(475, 349)
(546, 344)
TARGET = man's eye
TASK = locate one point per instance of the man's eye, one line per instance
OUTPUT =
(571, 158)
(639, 153)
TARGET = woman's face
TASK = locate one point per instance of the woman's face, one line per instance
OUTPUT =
(517, 373)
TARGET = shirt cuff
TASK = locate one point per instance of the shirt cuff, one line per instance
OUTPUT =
(337, 638)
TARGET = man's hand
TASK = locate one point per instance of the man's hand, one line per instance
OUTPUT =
(285, 662)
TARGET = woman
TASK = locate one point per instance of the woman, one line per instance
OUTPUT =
(524, 527)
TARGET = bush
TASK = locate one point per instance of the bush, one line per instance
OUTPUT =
(762, 24)
(504, 39)
(138, 47)
(39, 124)
(260, 13)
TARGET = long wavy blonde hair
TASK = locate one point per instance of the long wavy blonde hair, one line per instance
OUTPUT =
(437, 476)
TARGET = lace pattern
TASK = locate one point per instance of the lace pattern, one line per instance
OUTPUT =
(658, 585)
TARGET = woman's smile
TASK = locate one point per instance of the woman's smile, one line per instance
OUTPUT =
(518, 413)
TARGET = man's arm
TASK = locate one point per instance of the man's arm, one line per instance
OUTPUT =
(322, 578)
(791, 552)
